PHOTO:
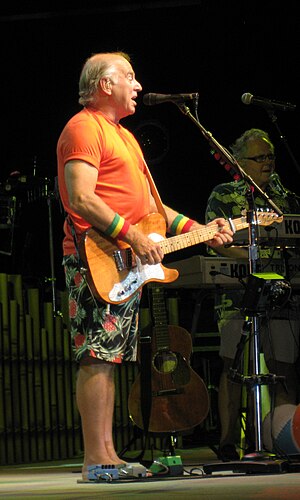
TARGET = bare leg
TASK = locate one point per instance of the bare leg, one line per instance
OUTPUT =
(109, 444)
(95, 401)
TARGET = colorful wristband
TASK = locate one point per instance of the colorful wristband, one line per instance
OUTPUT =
(118, 228)
(181, 224)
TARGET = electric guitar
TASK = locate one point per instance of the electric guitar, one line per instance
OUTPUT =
(115, 273)
(179, 397)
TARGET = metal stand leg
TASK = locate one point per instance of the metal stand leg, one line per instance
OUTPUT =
(257, 389)
(52, 278)
(251, 328)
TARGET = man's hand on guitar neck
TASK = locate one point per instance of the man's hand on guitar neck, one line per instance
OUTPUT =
(222, 236)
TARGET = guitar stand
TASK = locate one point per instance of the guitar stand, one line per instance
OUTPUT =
(137, 433)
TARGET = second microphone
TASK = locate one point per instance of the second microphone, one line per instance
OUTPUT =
(152, 99)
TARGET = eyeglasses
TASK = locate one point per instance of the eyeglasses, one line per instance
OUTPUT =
(261, 158)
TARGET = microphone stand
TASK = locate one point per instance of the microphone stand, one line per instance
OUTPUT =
(52, 195)
(231, 165)
(51, 251)
(227, 160)
(270, 111)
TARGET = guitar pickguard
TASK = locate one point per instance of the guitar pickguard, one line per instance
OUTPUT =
(137, 276)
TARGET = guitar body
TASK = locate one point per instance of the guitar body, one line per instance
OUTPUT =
(179, 398)
(102, 255)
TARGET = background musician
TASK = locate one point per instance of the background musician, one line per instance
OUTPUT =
(254, 152)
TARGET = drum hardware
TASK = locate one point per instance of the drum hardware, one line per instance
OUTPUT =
(20, 192)
(26, 188)
(7, 223)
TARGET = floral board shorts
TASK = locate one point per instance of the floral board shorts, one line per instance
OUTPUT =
(107, 332)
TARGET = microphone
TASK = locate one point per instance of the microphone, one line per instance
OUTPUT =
(267, 103)
(152, 99)
(277, 185)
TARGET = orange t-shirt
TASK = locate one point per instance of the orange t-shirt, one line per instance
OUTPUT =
(89, 136)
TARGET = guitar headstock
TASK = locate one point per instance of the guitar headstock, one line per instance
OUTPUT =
(265, 218)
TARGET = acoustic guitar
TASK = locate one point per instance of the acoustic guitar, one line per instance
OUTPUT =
(115, 273)
(179, 398)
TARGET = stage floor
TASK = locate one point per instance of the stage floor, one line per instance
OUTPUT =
(59, 480)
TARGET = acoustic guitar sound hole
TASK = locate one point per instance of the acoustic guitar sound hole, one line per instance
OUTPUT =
(165, 361)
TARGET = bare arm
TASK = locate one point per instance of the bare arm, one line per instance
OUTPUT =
(95, 211)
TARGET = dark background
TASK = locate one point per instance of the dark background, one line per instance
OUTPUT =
(220, 49)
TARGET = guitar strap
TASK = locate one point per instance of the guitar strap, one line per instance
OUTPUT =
(73, 232)
(155, 193)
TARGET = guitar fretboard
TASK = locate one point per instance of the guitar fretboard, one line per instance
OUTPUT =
(206, 233)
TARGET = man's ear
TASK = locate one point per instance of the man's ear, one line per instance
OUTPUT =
(105, 84)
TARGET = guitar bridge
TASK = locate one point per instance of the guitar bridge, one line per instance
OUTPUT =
(117, 254)
(168, 392)
(123, 259)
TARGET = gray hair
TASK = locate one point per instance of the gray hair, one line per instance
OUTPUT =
(239, 147)
(95, 68)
